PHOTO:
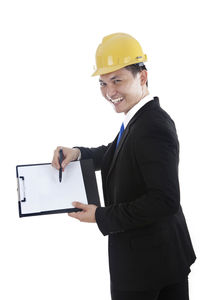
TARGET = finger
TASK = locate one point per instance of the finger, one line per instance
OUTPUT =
(65, 162)
(55, 161)
(74, 215)
(80, 205)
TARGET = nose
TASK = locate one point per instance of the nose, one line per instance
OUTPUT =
(111, 91)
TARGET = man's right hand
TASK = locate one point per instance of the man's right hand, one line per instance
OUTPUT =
(70, 154)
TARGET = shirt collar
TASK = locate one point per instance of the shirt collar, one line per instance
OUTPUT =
(135, 108)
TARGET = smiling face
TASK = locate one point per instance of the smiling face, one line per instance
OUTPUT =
(122, 89)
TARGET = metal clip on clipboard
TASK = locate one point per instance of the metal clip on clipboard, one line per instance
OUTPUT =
(21, 187)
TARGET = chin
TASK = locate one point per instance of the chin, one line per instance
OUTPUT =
(118, 110)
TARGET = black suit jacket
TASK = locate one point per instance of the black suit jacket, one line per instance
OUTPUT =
(149, 243)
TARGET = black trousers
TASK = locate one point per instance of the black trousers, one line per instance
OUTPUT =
(177, 291)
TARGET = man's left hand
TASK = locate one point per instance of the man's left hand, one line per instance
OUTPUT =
(86, 215)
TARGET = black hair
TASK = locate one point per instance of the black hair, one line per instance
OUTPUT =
(136, 68)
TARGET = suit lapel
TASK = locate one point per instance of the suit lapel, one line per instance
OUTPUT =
(147, 106)
(124, 135)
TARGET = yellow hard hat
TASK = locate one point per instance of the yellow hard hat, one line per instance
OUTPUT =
(117, 51)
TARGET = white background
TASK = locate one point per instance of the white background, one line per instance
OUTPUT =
(48, 98)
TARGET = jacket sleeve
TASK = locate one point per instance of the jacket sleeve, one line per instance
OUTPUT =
(94, 153)
(156, 151)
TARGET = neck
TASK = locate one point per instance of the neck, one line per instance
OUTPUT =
(144, 93)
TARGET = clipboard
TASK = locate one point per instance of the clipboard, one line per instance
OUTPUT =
(41, 193)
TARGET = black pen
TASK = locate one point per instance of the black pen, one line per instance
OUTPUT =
(60, 162)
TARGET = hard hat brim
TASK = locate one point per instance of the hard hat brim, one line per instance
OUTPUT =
(110, 69)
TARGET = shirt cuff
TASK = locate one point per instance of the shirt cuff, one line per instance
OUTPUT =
(79, 157)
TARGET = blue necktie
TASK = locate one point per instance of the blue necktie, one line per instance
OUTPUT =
(120, 134)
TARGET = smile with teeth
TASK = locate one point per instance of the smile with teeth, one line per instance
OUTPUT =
(115, 101)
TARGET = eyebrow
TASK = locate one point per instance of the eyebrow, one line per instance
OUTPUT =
(112, 78)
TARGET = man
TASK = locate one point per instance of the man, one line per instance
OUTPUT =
(150, 251)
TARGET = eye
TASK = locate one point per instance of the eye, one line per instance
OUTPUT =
(116, 81)
(102, 83)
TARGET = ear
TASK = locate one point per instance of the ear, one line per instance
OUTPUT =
(143, 77)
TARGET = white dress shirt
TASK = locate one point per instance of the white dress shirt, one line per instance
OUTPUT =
(135, 108)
